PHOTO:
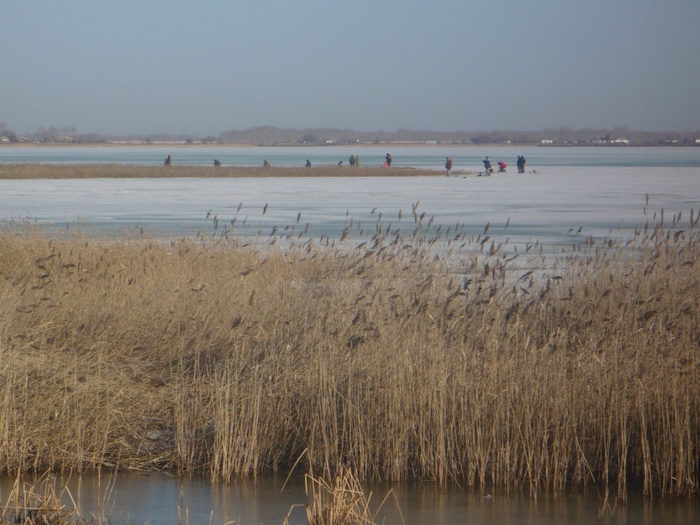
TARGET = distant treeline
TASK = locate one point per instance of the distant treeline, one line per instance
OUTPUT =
(270, 135)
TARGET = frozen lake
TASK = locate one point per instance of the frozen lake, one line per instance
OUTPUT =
(574, 194)
(467, 158)
(557, 206)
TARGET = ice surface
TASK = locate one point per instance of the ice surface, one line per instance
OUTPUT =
(557, 206)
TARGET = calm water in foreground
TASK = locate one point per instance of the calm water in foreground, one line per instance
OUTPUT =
(137, 498)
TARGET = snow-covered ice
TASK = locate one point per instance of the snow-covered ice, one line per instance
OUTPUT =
(556, 206)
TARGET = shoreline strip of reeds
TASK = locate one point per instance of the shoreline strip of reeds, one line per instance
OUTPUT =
(101, 171)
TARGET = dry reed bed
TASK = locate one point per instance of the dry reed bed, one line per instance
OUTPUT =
(207, 356)
(100, 171)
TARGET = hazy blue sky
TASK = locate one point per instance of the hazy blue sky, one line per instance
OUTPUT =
(203, 67)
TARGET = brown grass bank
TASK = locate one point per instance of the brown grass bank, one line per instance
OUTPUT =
(100, 171)
(208, 356)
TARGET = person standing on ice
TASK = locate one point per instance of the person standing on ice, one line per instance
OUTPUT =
(448, 166)
(521, 164)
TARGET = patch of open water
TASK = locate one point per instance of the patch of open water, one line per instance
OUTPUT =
(156, 498)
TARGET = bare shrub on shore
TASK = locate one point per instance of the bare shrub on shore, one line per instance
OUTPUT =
(205, 355)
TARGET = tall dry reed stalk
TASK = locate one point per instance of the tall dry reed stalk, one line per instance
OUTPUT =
(205, 355)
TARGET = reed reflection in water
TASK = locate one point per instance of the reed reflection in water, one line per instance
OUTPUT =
(157, 498)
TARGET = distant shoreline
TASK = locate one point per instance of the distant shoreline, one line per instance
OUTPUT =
(383, 145)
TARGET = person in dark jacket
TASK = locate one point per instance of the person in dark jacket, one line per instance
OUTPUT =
(448, 166)
(521, 164)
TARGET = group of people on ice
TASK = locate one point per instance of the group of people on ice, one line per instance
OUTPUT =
(355, 161)
(488, 168)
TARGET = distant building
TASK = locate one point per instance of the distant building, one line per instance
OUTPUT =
(546, 141)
